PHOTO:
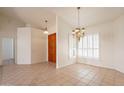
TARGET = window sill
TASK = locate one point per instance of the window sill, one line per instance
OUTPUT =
(88, 58)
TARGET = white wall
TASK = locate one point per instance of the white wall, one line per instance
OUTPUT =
(63, 30)
(111, 35)
(31, 46)
(52, 28)
(105, 32)
(38, 46)
(111, 44)
(24, 45)
(8, 29)
(119, 43)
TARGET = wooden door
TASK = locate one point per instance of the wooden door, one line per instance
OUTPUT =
(52, 48)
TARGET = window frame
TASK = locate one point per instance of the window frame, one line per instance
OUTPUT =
(92, 48)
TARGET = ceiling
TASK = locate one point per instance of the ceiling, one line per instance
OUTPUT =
(88, 15)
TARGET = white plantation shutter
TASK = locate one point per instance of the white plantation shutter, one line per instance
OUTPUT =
(88, 47)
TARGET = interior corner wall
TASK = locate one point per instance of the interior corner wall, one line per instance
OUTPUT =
(106, 37)
(8, 29)
(63, 29)
(111, 38)
(38, 46)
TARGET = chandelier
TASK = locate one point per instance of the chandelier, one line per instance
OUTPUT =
(78, 32)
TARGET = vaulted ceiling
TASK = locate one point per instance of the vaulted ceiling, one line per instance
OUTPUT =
(88, 15)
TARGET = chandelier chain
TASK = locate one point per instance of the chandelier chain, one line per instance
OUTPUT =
(78, 16)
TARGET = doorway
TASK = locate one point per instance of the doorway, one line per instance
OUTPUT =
(52, 48)
(7, 51)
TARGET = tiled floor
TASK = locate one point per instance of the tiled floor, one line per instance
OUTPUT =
(46, 74)
(8, 62)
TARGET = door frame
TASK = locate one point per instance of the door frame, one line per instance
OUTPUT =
(13, 50)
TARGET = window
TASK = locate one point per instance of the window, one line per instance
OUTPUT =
(88, 46)
(74, 47)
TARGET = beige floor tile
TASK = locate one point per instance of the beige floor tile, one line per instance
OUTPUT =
(45, 74)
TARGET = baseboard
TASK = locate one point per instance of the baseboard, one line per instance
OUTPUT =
(102, 66)
(38, 62)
